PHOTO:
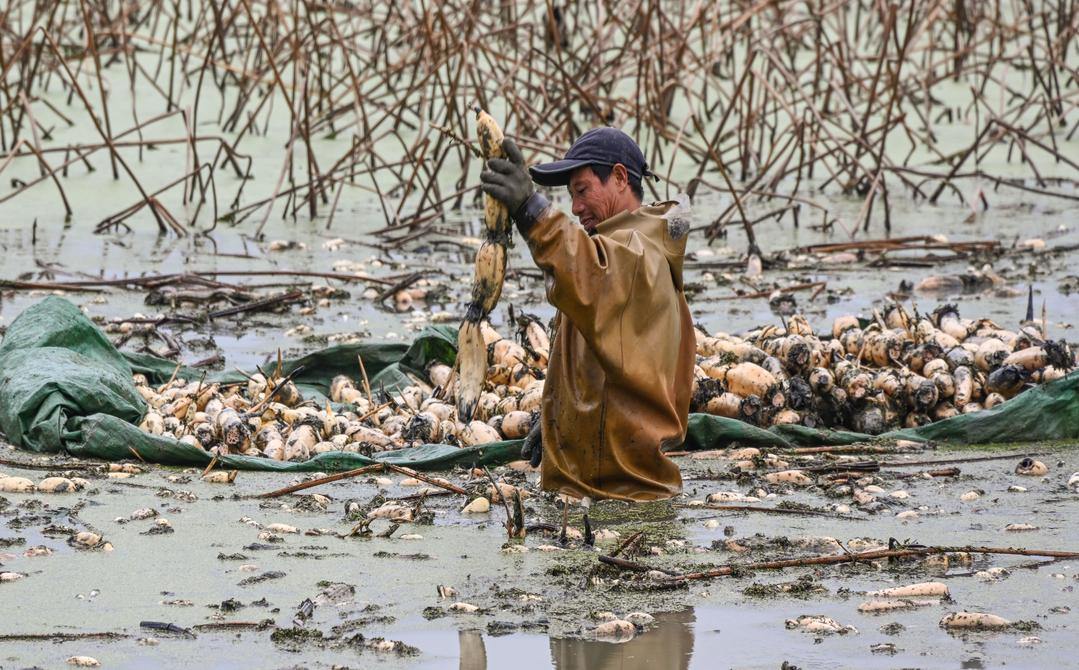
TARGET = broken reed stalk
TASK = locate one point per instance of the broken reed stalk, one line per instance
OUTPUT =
(950, 461)
(627, 543)
(209, 466)
(841, 449)
(442, 484)
(56, 467)
(367, 469)
(268, 302)
(770, 510)
(834, 559)
(61, 637)
(508, 523)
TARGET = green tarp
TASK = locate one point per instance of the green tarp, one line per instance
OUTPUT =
(63, 386)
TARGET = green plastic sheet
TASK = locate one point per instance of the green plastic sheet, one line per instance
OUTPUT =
(63, 386)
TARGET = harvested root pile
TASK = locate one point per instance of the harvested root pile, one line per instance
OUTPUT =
(896, 371)
(269, 417)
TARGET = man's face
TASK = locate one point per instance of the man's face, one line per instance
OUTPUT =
(593, 200)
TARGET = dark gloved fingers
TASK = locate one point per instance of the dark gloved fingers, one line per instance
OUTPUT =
(512, 152)
(533, 445)
(497, 191)
(537, 455)
(502, 166)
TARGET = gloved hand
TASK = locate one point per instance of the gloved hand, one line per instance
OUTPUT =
(508, 180)
(532, 449)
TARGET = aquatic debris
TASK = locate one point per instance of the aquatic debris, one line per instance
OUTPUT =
(1020, 527)
(1029, 641)
(894, 628)
(992, 574)
(818, 623)
(16, 485)
(605, 535)
(285, 245)
(615, 630)
(282, 528)
(804, 586)
(220, 476)
(265, 576)
(506, 491)
(161, 527)
(83, 662)
(729, 496)
(639, 618)
(888, 606)
(793, 477)
(142, 513)
(922, 590)
(744, 454)
(973, 620)
(479, 505)
(1031, 468)
(294, 639)
(463, 608)
(382, 645)
(445, 591)
(392, 511)
(56, 485)
(85, 540)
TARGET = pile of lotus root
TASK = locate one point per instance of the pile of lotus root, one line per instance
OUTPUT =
(899, 370)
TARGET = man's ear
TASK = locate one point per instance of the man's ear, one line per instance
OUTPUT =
(621, 175)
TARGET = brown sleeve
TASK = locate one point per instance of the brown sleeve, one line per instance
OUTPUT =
(590, 279)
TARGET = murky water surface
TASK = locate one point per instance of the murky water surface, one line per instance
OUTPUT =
(536, 607)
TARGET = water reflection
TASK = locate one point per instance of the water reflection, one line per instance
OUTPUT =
(473, 651)
(667, 645)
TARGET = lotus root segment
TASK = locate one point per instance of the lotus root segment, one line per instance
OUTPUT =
(487, 281)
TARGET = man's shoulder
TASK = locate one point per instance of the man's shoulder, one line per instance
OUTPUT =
(659, 225)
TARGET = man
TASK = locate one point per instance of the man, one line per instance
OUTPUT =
(621, 362)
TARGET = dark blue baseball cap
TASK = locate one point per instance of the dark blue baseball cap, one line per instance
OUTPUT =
(599, 146)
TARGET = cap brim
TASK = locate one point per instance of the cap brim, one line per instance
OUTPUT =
(556, 173)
